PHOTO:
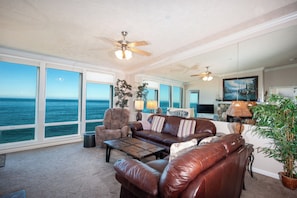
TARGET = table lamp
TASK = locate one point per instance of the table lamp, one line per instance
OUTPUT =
(152, 105)
(139, 105)
(238, 110)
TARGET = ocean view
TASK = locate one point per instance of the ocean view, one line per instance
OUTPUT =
(21, 111)
(15, 111)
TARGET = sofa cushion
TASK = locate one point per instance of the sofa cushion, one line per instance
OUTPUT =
(158, 164)
(186, 128)
(177, 149)
(157, 123)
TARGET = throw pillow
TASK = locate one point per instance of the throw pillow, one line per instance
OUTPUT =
(177, 149)
(207, 140)
(186, 128)
(157, 123)
(146, 125)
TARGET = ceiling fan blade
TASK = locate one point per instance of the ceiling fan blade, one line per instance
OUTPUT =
(138, 51)
(194, 75)
(137, 43)
(108, 40)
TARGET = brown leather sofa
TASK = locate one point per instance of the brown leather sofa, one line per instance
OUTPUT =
(168, 135)
(212, 170)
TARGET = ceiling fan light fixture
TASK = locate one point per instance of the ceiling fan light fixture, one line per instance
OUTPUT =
(123, 54)
(207, 78)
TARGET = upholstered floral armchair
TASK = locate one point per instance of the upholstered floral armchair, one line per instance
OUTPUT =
(115, 125)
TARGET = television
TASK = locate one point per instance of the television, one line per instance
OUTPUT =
(205, 108)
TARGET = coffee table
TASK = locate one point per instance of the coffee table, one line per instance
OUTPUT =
(136, 148)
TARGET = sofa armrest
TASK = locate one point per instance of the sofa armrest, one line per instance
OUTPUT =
(136, 126)
(99, 128)
(139, 174)
(125, 131)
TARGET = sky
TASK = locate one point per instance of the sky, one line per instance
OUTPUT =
(19, 81)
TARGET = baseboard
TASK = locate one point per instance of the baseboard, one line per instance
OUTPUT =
(56, 142)
(266, 173)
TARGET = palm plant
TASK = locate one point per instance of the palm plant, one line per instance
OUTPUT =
(277, 120)
(123, 92)
(142, 91)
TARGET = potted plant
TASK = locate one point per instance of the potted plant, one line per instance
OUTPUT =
(141, 94)
(123, 91)
(142, 91)
(277, 121)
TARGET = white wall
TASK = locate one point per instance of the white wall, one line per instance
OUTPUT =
(208, 91)
(280, 77)
(262, 165)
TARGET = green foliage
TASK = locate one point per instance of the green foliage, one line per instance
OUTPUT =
(123, 92)
(142, 91)
(277, 120)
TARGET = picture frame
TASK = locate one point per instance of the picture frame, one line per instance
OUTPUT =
(245, 89)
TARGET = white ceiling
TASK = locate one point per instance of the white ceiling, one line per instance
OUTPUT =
(184, 36)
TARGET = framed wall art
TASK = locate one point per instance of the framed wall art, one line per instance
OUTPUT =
(245, 89)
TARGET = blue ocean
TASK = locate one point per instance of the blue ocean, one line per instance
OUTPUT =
(21, 111)
(15, 111)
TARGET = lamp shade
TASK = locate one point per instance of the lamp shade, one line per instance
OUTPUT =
(139, 105)
(151, 104)
(123, 54)
(239, 109)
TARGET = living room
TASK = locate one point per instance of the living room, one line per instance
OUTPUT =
(46, 35)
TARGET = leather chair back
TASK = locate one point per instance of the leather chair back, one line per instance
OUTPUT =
(116, 118)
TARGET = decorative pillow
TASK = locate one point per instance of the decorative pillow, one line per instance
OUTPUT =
(207, 140)
(157, 123)
(146, 125)
(177, 149)
(186, 128)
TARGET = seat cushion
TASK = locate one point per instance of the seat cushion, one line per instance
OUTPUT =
(158, 165)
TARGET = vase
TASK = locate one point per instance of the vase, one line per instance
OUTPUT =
(288, 182)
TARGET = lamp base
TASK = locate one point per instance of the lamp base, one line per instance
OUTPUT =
(236, 127)
(138, 116)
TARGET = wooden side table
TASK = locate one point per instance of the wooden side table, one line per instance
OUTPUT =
(250, 159)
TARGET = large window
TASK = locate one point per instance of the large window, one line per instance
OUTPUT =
(97, 101)
(165, 97)
(17, 102)
(41, 102)
(177, 97)
(194, 100)
(62, 102)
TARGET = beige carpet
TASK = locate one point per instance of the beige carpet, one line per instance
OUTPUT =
(74, 171)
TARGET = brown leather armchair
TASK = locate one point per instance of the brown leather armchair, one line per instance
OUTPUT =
(115, 125)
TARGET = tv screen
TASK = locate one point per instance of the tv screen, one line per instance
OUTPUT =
(205, 108)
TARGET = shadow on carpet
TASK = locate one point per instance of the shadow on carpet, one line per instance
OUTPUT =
(18, 194)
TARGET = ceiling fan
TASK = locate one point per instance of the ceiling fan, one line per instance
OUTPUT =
(205, 76)
(125, 48)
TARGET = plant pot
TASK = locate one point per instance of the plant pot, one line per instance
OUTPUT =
(288, 182)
